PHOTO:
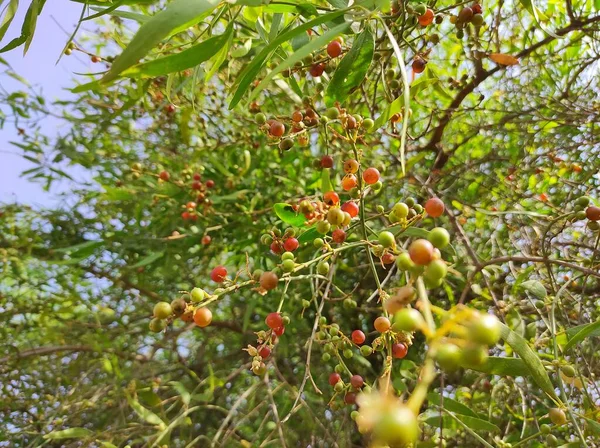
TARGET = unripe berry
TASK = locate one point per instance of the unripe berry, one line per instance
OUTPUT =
(162, 310)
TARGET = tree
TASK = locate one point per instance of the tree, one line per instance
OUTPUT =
(310, 224)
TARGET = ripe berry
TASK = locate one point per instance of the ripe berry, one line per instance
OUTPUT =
(357, 381)
(206, 239)
(210, 183)
(334, 378)
(382, 324)
(170, 108)
(196, 185)
(408, 319)
(485, 330)
(350, 398)
(203, 317)
(351, 208)
(164, 175)
(327, 162)
(291, 244)
(434, 207)
(276, 247)
(334, 49)
(335, 216)
(358, 337)
(593, 213)
(277, 129)
(399, 350)
(274, 320)
(96, 59)
(279, 330)
(371, 175)
(191, 205)
(477, 9)
(421, 252)
(264, 352)
(439, 237)
(297, 117)
(419, 64)
(427, 18)
(465, 15)
(218, 274)
(317, 70)
(162, 310)
(350, 166)
(338, 236)
(349, 182)
(268, 280)
(331, 198)
(186, 216)
(351, 122)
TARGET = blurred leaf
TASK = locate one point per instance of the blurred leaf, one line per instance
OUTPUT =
(535, 288)
(71, 433)
(148, 259)
(309, 235)
(9, 15)
(286, 213)
(145, 414)
(503, 59)
(451, 405)
(502, 367)
(326, 180)
(28, 27)
(583, 331)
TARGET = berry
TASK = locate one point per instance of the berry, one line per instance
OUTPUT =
(178, 306)
(349, 182)
(287, 256)
(557, 416)
(323, 268)
(291, 244)
(401, 210)
(357, 381)
(371, 175)
(388, 258)
(317, 70)
(387, 239)
(382, 324)
(210, 183)
(286, 144)
(477, 9)
(186, 216)
(198, 295)
(478, 20)
(435, 271)
(473, 355)
(218, 274)
(465, 15)
(399, 350)
(162, 310)
(350, 398)
(404, 262)
(351, 166)
(164, 175)
(96, 59)
(277, 129)
(332, 113)
(276, 247)
(358, 337)
(334, 378)
(582, 201)
(419, 64)
(335, 216)
(351, 122)
(338, 236)
(485, 330)
(568, 371)
(351, 208)
(334, 49)
(421, 252)
(288, 265)
(297, 117)
(264, 352)
(268, 280)
(157, 325)
(260, 119)
(593, 213)
(427, 18)
(368, 124)
(434, 207)
(366, 350)
(206, 239)
(399, 427)
(196, 185)
(203, 317)
(331, 198)
(327, 162)
(323, 227)
(439, 237)
(279, 330)
(408, 319)
(274, 320)
(448, 357)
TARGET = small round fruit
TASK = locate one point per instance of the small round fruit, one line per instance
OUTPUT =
(387, 239)
(434, 207)
(382, 324)
(326, 162)
(583, 201)
(477, 9)
(439, 237)
(473, 355)
(357, 381)
(420, 9)
(198, 294)
(593, 213)
(404, 262)
(366, 350)
(435, 271)
(401, 210)
(557, 416)
(358, 337)
(408, 319)
(291, 244)
(350, 398)
(288, 266)
(551, 441)
(317, 70)
(349, 182)
(399, 427)
(318, 242)
(286, 144)
(287, 256)
(334, 378)
(465, 15)
(164, 175)
(203, 317)
(157, 325)
(421, 252)
(335, 216)
(477, 20)
(371, 175)
(399, 350)
(178, 306)
(332, 113)
(568, 371)
(276, 247)
(368, 124)
(268, 280)
(162, 310)
(448, 357)
(427, 18)
(264, 352)
(331, 198)
(218, 274)
(419, 64)
(351, 208)
(323, 268)
(351, 166)
(338, 236)
(277, 129)
(323, 227)
(485, 330)
(206, 239)
(274, 320)
(334, 49)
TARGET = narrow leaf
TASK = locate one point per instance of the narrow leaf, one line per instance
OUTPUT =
(584, 331)
(71, 433)
(286, 213)
(143, 413)
(149, 259)
(11, 10)
(451, 405)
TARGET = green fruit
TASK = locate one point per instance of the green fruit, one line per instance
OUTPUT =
(366, 350)
(473, 355)
(305, 303)
(348, 353)
(420, 9)
(335, 216)
(347, 303)
(288, 265)
(399, 427)
(401, 210)
(393, 218)
(404, 262)
(266, 239)
(286, 320)
(551, 441)
(380, 209)
(322, 320)
(485, 330)
(332, 113)
(377, 186)
(355, 193)
(318, 243)
(323, 227)
(593, 225)
(387, 239)
(448, 357)
(545, 429)
(410, 202)
(257, 274)
(557, 416)
(368, 124)
(198, 295)
(581, 215)
(287, 256)
(157, 325)
(394, 84)
(162, 310)
(439, 237)
(435, 271)
(568, 371)
(260, 118)
(325, 357)
(418, 208)
(286, 144)
(583, 201)
(354, 415)
(339, 386)
(477, 20)
(407, 319)
(432, 283)
(391, 73)
(323, 268)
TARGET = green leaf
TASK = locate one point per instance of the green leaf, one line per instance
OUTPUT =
(303, 52)
(183, 392)
(352, 69)
(583, 331)
(147, 260)
(535, 288)
(11, 10)
(140, 18)
(502, 367)
(326, 180)
(176, 17)
(181, 61)
(218, 59)
(286, 213)
(451, 405)
(474, 423)
(309, 235)
(251, 71)
(593, 425)
(531, 360)
(71, 433)
(143, 413)
(81, 250)
(28, 27)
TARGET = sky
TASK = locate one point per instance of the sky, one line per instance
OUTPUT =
(57, 20)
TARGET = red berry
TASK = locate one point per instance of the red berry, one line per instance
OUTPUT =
(388, 258)
(194, 217)
(477, 9)
(274, 320)
(164, 175)
(210, 183)
(264, 352)
(277, 129)
(317, 70)
(334, 49)
(96, 59)
(171, 108)
(350, 398)
(371, 176)
(331, 198)
(191, 205)
(197, 176)
(357, 381)
(399, 350)
(358, 337)
(197, 185)
(593, 213)
(338, 236)
(421, 252)
(218, 274)
(268, 280)
(279, 330)
(434, 207)
(419, 64)
(327, 162)
(427, 18)
(206, 239)
(334, 378)
(349, 182)
(185, 216)
(276, 248)
(291, 244)
(351, 208)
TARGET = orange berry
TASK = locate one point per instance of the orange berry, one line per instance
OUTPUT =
(349, 182)
(351, 166)
(427, 18)
(421, 252)
(331, 198)
(203, 317)
(434, 207)
(382, 324)
(371, 176)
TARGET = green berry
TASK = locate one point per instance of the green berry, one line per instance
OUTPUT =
(387, 239)
(439, 237)
(420, 9)
(332, 113)
(162, 310)
(260, 118)
(448, 357)
(323, 227)
(287, 256)
(557, 416)
(583, 201)
(545, 429)
(418, 208)
(325, 357)
(568, 371)
(323, 268)
(157, 325)
(377, 186)
(322, 320)
(198, 295)
(339, 386)
(551, 441)
(366, 350)
(305, 303)
(410, 202)
(404, 262)
(368, 124)
(473, 355)
(485, 330)
(436, 270)
(407, 319)
(401, 210)
(318, 243)
(288, 265)
(348, 353)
